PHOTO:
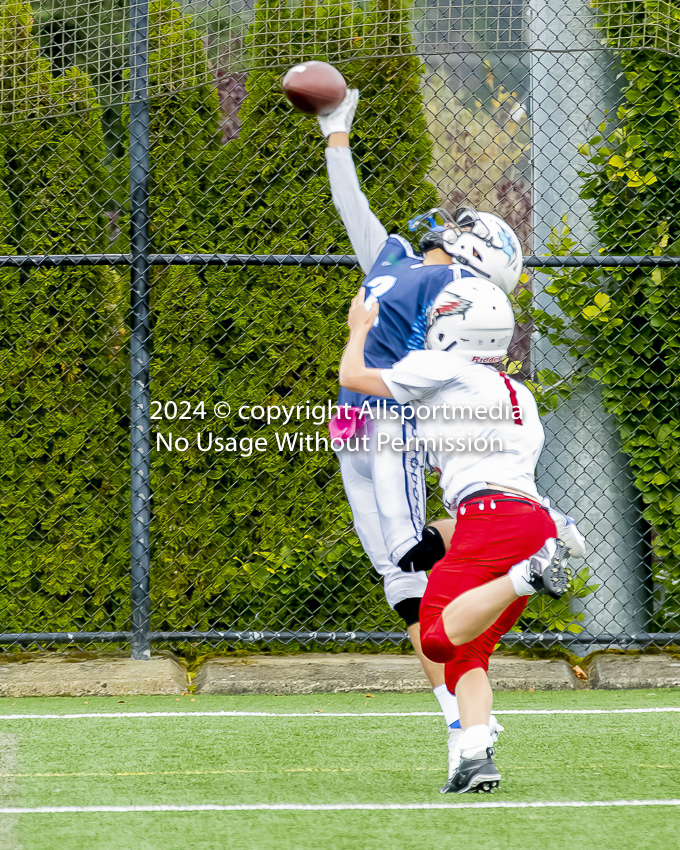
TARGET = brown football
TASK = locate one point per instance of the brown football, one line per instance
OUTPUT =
(314, 87)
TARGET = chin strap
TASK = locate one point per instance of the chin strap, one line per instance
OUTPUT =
(463, 261)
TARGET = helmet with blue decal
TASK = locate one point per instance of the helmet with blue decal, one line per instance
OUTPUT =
(479, 240)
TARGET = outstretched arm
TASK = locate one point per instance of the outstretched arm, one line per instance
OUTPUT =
(365, 232)
(353, 372)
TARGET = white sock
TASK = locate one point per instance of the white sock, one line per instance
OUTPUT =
(453, 744)
(519, 581)
(448, 704)
(475, 739)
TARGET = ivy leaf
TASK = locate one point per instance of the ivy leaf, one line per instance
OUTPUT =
(513, 366)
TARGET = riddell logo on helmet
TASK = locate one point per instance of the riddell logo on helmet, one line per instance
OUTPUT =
(457, 306)
(497, 359)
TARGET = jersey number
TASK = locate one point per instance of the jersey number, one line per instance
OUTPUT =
(378, 287)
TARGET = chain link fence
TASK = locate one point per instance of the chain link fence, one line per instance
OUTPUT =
(175, 282)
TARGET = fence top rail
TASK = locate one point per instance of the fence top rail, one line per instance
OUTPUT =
(550, 638)
(346, 260)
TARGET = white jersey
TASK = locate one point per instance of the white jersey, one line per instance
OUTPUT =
(476, 424)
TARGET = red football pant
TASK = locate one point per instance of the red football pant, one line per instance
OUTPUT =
(486, 543)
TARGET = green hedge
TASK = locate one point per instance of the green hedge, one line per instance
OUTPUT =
(62, 504)
(186, 533)
(244, 541)
(285, 554)
(626, 324)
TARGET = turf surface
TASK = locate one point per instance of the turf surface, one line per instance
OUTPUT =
(334, 760)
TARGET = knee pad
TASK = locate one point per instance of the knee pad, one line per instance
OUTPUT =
(425, 554)
(409, 610)
(436, 644)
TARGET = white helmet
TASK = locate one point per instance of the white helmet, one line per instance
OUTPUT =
(472, 317)
(479, 240)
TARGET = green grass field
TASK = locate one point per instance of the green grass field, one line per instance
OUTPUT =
(325, 760)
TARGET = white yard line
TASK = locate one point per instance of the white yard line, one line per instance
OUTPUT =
(509, 711)
(337, 807)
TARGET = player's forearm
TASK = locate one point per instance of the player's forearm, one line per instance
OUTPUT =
(365, 232)
(354, 374)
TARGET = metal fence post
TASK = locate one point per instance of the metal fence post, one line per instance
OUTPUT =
(582, 467)
(140, 488)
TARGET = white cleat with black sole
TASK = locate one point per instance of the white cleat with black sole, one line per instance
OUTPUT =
(455, 735)
(475, 775)
(544, 572)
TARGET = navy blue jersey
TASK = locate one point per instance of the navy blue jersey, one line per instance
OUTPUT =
(405, 289)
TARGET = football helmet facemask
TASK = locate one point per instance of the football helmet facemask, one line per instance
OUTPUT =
(479, 240)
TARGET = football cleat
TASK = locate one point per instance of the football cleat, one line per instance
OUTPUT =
(546, 571)
(495, 729)
(478, 774)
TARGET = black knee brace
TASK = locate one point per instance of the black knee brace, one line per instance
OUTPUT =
(424, 555)
(409, 610)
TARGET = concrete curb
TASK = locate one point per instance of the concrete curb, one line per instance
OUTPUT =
(312, 673)
(618, 672)
(510, 673)
(318, 673)
(64, 676)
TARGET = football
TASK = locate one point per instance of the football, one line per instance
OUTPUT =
(314, 87)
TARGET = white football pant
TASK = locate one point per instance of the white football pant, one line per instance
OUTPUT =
(386, 491)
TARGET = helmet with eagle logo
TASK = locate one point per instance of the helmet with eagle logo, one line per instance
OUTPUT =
(472, 317)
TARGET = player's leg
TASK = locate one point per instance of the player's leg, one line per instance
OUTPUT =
(399, 481)
(403, 591)
(487, 543)
(470, 588)
(443, 582)
(473, 612)
(399, 586)
(467, 675)
(433, 671)
(477, 697)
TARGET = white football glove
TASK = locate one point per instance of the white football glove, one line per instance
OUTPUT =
(569, 534)
(340, 119)
(495, 728)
